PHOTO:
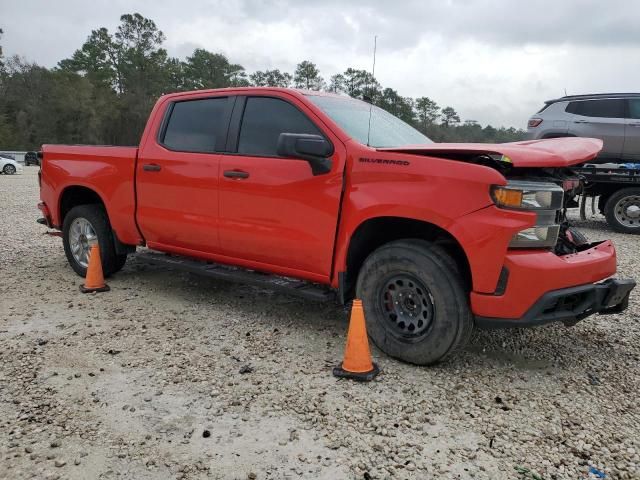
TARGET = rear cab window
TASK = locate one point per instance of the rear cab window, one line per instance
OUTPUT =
(195, 125)
(602, 108)
(264, 119)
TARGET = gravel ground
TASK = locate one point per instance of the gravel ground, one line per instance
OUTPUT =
(174, 376)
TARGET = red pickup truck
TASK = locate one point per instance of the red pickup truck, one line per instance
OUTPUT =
(434, 238)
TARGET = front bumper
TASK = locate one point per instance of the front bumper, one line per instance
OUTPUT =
(533, 275)
(570, 305)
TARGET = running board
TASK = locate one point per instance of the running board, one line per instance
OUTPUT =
(309, 291)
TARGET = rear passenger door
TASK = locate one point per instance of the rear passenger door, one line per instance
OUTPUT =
(177, 176)
(274, 213)
(601, 118)
(632, 131)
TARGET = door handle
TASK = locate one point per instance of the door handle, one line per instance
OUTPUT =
(151, 167)
(236, 174)
(581, 121)
(635, 124)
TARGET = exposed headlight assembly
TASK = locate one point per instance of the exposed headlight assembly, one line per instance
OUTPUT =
(543, 198)
(528, 195)
(536, 237)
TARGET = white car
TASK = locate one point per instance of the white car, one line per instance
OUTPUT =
(9, 166)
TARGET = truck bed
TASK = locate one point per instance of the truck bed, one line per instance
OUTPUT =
(107, 170)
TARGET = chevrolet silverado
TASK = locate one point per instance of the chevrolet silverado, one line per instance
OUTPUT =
(343, 197)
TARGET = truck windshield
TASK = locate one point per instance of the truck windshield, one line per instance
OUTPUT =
(353, 116)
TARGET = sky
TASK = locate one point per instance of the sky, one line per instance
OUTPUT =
(494, 61)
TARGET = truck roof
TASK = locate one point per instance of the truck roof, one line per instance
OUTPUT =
(246, 90)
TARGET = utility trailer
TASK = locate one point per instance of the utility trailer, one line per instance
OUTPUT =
(617, 187)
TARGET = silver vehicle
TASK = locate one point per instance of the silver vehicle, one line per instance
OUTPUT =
(613, 117)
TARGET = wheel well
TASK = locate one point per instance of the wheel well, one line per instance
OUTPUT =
(375, 232)
(74, 196)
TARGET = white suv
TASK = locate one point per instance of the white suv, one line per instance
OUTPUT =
(613, 117)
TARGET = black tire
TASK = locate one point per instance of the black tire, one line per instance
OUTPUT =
(617, 212)
(430, 274)
(97, 217)
(9, 169)
(579, 238)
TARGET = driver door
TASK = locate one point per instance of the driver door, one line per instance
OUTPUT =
(273, 211)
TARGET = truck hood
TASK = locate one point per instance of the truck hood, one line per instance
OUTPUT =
(553, 152)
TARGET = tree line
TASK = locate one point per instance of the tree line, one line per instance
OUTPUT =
(105, 91)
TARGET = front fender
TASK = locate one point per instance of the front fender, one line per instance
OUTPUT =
(453, 196)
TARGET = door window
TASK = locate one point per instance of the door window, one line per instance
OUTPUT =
(634, 108)
(264, 120)
(606, 108)
(194, 125)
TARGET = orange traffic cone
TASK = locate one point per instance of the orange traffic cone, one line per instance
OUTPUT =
(357, 363)
(94, 280)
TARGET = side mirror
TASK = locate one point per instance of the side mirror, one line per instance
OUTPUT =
(313, 148)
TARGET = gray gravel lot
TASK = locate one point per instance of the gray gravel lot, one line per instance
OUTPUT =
(127, 384)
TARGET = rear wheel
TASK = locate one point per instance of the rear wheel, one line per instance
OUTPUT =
(623, 210)
(415, 304)
(82, 226)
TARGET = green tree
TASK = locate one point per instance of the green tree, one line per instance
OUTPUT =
(204, 69)
(271, 78)
(308, 76)
(176, 76)
(99, 59)
(49, 106)
(360, 84)
(449, 116)
(401, 107)
(7, 127)
(1, 63)
(337, 83)
(427, 111)
(131, 61)
(142, 58)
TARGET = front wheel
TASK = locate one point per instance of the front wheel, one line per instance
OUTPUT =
(416, 307)
(82, 226)
(623, 210)
(9, 169)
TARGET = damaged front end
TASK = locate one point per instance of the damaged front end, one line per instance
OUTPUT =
(569, 239)
(548, 191)
(536, 167)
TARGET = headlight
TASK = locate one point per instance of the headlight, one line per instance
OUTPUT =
(543, 198)
(528, 195)
(536, 237)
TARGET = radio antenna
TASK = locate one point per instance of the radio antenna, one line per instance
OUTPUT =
(373, 73)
